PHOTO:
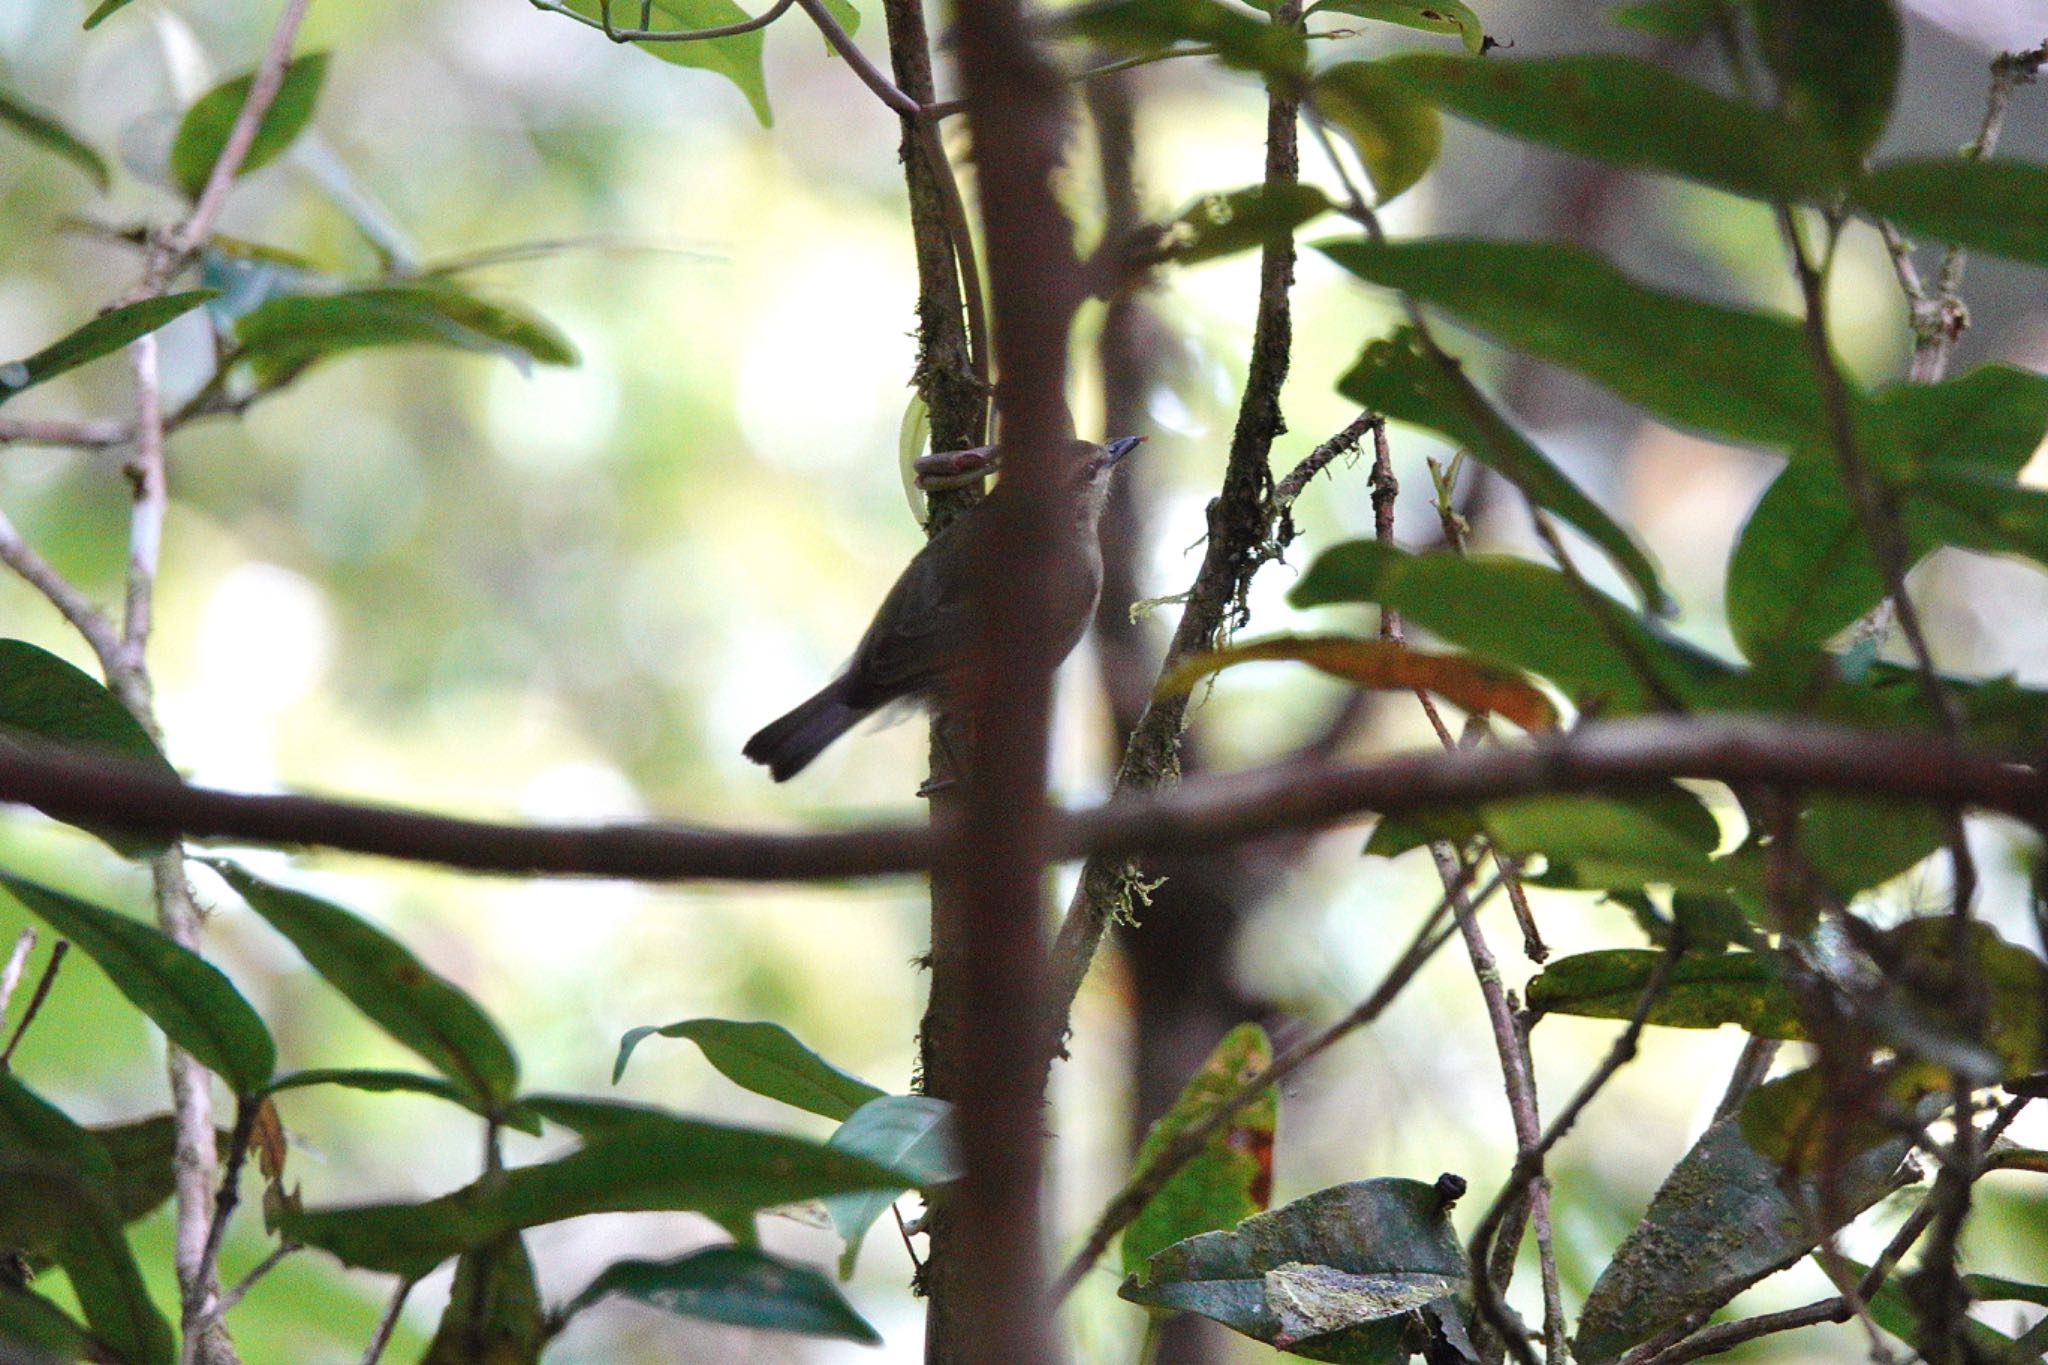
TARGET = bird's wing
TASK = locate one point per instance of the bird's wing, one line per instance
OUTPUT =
(916, 629)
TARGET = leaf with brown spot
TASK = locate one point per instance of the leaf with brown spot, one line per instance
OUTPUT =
(266, 1135)
(1459, 679)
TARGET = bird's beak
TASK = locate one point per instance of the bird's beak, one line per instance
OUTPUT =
(1120, 447)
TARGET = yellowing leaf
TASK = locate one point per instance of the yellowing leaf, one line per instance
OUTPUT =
(1459, 679)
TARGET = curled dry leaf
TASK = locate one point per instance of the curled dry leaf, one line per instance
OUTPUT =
(1460, 679)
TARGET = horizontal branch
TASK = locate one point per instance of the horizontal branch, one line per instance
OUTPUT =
(1197, 816)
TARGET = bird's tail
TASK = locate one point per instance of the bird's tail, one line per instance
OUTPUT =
(787, 746)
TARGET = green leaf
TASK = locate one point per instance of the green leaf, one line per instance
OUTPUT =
(57, 1178)
(910, 1133)
(1605, 842)
(2015, 987)
(104, 335)
(203, 133)
(649, 1161)
(1219, 225)
(426, 1012)
(1144, 27)
(1720, 1223)
(1801, 570)
(104, 9)
(1804, 1121)
(1468, 683)
(404, 1082)
(1632, 114)
(766, 1059)
(1396, 134)
(284, 335)
(140, 1152)
(1741, 375)
(1554, 631)
(494, 1311)
(1684, 20)
(43, 698)
(1704, 990)
(1837, 64)
(52, 136)
(739, 1286)
(1431, 16)
(1995, 206)
(1397, 378)
(1856, 842)
(186, 996)
(32, 1321)
(1232, 1177)
(1332, 1276)
(1893, 1309)
(737, 58)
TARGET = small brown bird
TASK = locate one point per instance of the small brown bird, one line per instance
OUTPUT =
(918, 642)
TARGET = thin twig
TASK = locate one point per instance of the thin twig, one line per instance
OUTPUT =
(870, 75)
(230, 1297)
(201, 1307)
(1529, 1161)
(35, 1001)
(84, 615)
(1188, 1143)
(17, 963)
(86, 435)
(388, 1323)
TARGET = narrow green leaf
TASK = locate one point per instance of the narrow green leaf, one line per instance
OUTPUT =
(1629, 113)
(379, 976)
(52, 136)
(738, 1286)
(102, 336)
(1396, 134)
(284, 335)
(1398, 378)
(1741, 375)
(1666, 837)
(186, 996)
(766, 1059)
(140, 1152)
(909, 1133)
(1232, 1177)
(1854, 842)
(494, 1312)
(404, 1082)
(203, 132)
(1837, 64)
(1721, 1222)
(1685, 20)
(737, 58)
(1219, 225)
(651, 1162)
(103, 10)
(1431, 16)
(1554, 631)
(1143, 27)
(43, 698)
(1704, 990)
(1995, 206)
(1333, 1275)
(58, 1180)
(32, 1321)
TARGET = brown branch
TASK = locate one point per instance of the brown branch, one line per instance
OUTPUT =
(1238, 523)
(997, 848)
(83, 614)
(1623, 755)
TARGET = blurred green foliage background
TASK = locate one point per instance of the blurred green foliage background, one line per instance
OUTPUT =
(430, 579)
